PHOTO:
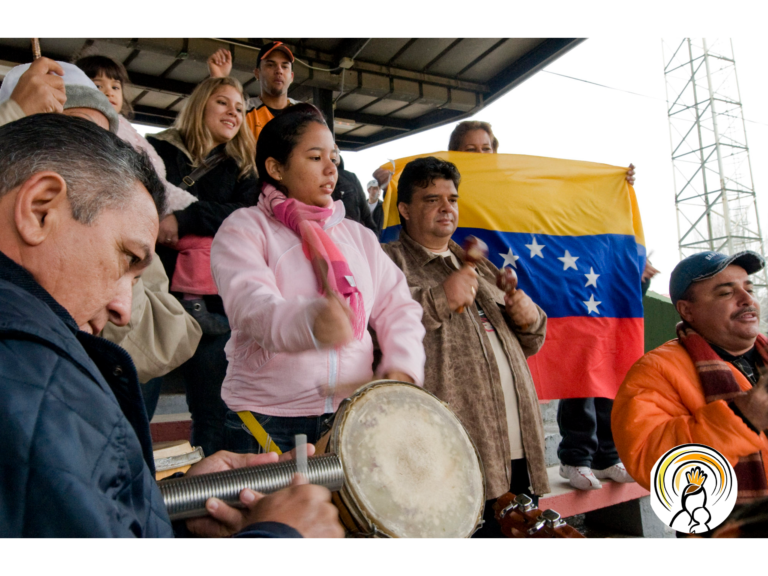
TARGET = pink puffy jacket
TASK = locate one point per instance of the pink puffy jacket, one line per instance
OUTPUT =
(270, 294)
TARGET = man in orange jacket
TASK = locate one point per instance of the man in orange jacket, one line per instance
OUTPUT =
(274, 73)
(709, 386)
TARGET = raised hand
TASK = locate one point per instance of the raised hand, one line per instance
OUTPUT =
(220, 63)
(631, 174)
(754, 403)
(40, 89)
(383, 177)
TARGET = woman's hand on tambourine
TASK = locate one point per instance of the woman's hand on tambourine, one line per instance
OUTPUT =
(333, 326)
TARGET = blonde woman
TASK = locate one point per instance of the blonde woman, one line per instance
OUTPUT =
(212, 154)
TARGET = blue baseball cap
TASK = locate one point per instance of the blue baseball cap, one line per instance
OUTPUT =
(704, 265)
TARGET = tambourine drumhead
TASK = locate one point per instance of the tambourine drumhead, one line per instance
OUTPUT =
(409, 465)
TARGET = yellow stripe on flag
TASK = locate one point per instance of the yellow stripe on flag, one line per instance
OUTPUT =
(537, 195)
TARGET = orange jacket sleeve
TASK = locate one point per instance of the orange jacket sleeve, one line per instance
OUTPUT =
(661, 405)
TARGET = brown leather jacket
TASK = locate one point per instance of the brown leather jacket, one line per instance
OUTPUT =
(461, 370)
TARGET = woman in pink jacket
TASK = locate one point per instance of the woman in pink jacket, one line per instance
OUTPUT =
(300, 285)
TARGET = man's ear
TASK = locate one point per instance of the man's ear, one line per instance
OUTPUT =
(402, 207)
(256, 72)
(684, 309)
(39, 204)
(274, 169)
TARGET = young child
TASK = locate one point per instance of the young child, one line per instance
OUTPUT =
(111, 78)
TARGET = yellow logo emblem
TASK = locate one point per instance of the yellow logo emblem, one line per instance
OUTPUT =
(693, 488)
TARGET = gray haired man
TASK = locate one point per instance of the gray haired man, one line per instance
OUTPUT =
(79, 211)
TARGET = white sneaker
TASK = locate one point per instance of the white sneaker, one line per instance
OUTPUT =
(617, 473)
(580, 477)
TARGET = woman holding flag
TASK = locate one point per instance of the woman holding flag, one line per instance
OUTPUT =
(300, 284)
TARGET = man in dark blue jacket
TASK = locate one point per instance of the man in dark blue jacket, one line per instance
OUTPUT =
(78, 222)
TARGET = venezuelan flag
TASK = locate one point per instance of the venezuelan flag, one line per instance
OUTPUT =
(572, 232)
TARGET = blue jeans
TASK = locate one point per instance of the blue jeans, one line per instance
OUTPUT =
(203, 375)
(282, 429)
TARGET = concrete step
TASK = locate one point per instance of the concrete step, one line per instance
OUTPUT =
(549, 411)
(172, 403)
(552, 440)
(568, 501)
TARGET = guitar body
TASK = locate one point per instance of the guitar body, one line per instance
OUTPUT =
(519, 518)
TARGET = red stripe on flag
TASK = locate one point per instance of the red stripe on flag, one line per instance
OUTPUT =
(586, 357)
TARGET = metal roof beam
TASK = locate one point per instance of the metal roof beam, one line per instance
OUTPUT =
(525, 67)
(401, 124)
(440, 56)
(317, 58)
(151, 115)
(164, 85)
(349, 48)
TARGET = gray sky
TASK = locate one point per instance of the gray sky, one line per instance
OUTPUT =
(549, 115)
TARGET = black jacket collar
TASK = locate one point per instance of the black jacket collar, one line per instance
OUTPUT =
(15, 274)
(109, 360)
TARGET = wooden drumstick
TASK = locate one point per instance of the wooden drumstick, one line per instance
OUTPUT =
(474, 251)
(36, 53)
(506, 281)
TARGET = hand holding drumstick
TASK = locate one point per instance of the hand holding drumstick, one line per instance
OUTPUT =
(333, 324)
(461, 287)
(519, 306)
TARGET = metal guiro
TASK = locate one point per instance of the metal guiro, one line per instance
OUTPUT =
(186, 497)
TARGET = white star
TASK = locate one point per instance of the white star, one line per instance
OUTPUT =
(535, 248)
(569, 261)
(509, 258)
(591, 278)
(592, 304)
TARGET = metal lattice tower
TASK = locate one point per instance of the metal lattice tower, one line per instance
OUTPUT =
(714, 193)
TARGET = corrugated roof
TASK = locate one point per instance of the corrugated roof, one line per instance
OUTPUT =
(394, 88)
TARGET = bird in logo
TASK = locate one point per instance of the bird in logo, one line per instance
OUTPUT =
(694, 502)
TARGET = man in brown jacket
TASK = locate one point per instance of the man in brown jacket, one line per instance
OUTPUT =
(475, 358)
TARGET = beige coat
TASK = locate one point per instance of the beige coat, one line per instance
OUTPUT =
(161, 335)
(10, 112)
(460, 368)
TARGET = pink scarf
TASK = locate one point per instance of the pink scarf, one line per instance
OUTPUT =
(328, 262)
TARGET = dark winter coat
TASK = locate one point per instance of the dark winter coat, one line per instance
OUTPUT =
(350, 192)
(76, 452)
(219, 192)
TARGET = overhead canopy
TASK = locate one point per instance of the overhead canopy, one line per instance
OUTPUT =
(383, 88)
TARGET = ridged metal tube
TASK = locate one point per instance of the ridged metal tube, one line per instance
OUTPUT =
(186, 497)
